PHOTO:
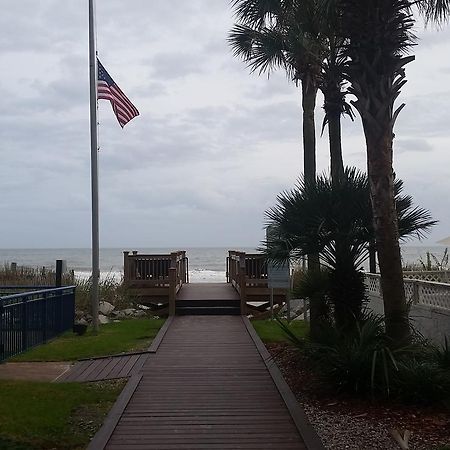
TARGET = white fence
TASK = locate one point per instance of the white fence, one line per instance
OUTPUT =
(438, 276)
(430, 305)
(418, 292)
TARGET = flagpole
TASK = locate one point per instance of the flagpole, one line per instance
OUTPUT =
(94, 167)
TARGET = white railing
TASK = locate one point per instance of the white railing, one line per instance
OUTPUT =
(438, 276)
(417, 291)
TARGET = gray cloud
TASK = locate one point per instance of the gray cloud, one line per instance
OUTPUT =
(212, 143)
(412, 145)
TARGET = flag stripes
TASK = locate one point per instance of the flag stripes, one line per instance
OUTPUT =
(107, 89)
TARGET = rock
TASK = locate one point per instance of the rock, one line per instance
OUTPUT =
(145, 308)
(79, 314)
(119, 315)
(139, 313)
(105, 308)
(297, 306)
(103, 319)
(129, 311)
(81, 321)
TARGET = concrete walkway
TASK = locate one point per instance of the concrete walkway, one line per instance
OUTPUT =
(33, 371)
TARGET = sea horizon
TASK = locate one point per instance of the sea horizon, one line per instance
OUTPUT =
(206, 264)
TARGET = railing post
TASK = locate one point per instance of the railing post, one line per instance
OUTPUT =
(242, 283)
(126, 269)
(183, 267)
(172, 290)
(61, 267)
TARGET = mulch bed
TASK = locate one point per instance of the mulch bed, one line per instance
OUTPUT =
(344, 422)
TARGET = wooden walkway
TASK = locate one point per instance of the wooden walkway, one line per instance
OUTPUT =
(107, 368)
(207, 387)
(207, 291)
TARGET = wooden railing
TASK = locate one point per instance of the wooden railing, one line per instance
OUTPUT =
(247, 272)
(156, 275)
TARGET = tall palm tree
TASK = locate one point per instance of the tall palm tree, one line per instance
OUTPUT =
(336, 221)
(378, 35)
(292, 35)
(273, 34)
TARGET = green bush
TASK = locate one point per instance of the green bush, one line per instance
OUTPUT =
(362, 361)
(357, 361)
(420, 380)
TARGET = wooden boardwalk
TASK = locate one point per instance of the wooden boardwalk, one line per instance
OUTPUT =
(207, 387)
(107, 368)
(207, 291)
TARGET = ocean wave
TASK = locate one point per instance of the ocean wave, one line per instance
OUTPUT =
(195, 275)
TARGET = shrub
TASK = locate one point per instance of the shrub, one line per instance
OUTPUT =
(110, 290)
(362, 361)
(357, 361)
(420, 380)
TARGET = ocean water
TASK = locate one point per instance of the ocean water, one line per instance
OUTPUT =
(205, 264)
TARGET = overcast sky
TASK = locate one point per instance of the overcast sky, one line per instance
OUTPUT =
(213, 145)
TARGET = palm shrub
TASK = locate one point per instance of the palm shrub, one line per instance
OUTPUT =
(419, 379)
(442, 355)
(335, 220)
(359, 360)
(315, 286)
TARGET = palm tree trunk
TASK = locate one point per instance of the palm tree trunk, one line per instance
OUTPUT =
(334, 135)
(309, 94)
(372, 257)
(381, 181)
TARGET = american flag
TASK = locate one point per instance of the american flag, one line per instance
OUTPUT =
(107, 89)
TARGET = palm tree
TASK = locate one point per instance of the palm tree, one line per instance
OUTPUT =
(377, 36)
(335, 220)
(282, 34)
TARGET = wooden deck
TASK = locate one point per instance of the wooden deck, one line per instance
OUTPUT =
(207, 387)
(207, 291)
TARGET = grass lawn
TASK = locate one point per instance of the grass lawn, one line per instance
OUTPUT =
(53, 416)
(117, 337)
(269, 330)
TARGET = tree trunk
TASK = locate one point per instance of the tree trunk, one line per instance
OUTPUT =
(334, 135)
(372, 257)
(381, 181)
(309, 94)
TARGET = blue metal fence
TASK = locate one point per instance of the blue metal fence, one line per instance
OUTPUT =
(31, 318)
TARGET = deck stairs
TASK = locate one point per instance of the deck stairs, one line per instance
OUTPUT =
(207, 299)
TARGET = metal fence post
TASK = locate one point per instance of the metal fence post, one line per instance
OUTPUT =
(24, 323)
(44, 318)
